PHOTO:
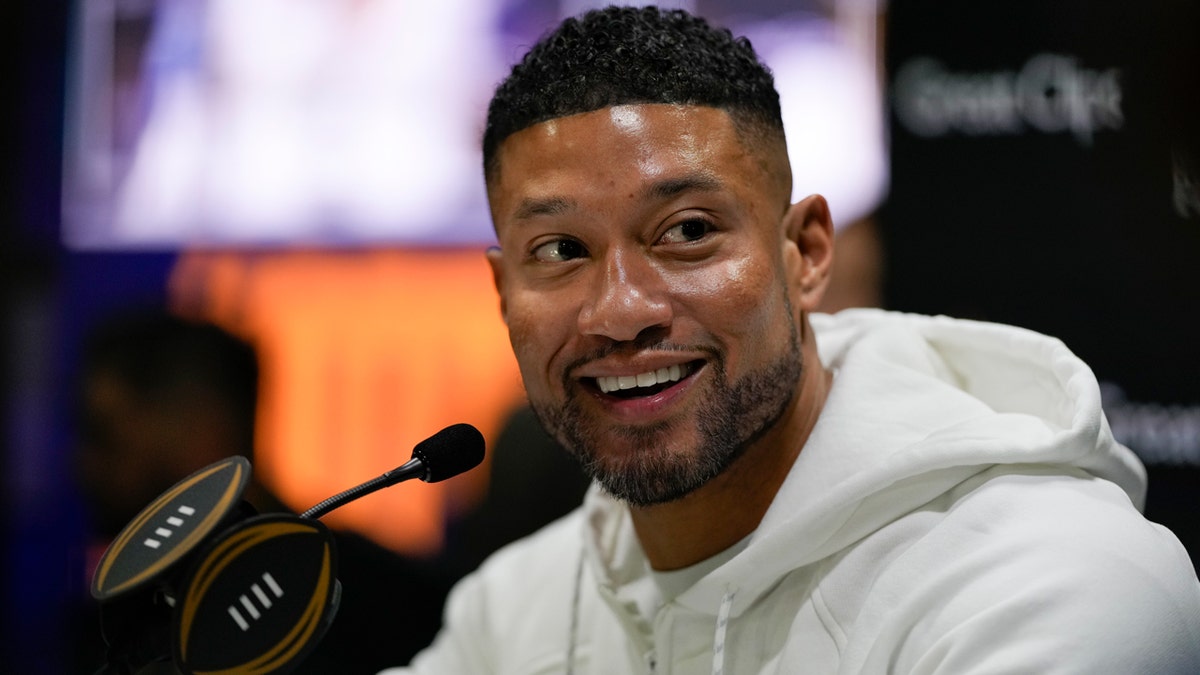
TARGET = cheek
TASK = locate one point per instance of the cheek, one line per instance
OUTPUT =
(741, 304)
(535, 330)
(742, 294)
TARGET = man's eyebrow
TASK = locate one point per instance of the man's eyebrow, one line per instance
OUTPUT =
(549, 206)
(659, 190)
(670, 187)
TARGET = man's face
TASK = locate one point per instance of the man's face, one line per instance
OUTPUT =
(641, 275)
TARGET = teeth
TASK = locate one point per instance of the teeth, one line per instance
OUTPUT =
(661, 376)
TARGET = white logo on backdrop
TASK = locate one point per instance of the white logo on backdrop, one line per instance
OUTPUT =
(1050, 93)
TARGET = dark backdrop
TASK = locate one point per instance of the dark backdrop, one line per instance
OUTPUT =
(1045, 159)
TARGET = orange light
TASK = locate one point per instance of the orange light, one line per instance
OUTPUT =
(363, 355)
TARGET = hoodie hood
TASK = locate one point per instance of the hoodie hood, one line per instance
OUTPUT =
(918, 405)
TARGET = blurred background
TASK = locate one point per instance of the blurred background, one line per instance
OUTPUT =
(305, 176)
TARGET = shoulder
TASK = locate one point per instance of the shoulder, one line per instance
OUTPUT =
(1044, 565)
(1047, 513)
(513, 610)
(533, 577)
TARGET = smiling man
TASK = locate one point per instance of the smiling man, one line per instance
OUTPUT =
(775, 491)
(655, 282)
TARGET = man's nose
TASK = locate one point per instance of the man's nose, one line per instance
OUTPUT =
(628, 297)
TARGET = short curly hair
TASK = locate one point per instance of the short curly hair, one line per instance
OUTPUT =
(627, 55)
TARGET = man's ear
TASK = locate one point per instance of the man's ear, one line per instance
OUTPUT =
(808, 254)
(495, 258)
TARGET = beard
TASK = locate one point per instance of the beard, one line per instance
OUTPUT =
(733, 416)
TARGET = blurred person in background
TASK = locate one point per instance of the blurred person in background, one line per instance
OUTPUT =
(162, 397)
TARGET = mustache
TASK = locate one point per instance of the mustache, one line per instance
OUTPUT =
(651, 343)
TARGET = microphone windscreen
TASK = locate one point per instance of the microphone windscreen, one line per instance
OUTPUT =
(449, 452)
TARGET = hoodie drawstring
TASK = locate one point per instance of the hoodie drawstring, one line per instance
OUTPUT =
(719, 639)
(573, 637)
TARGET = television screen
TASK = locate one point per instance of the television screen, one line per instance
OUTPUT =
(349, 123)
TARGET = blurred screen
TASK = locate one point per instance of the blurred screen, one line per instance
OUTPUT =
(356, 122)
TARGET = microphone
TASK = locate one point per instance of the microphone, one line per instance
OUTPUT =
(199, 579)
(449, 452)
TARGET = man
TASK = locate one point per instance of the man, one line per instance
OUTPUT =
(162, 397)
(775, 492)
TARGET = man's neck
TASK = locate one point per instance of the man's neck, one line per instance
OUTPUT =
(686, 531)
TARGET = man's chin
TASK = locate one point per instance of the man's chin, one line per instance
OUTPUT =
(648, 474)
(645, 491)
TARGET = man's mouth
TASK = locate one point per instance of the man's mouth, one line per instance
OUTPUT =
(644, 384)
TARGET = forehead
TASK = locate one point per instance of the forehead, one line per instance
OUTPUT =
(621, 146)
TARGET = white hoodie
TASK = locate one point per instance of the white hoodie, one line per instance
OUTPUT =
(960, 507)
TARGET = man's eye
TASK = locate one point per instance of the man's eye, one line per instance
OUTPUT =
(559, 250)
(688, 230)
